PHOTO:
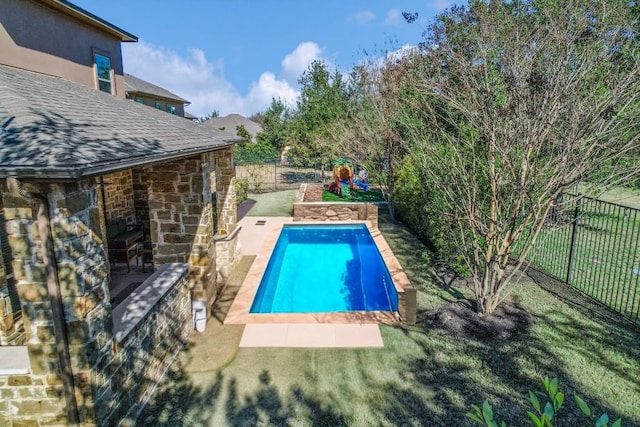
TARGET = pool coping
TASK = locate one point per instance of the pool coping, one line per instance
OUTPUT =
(239, 311)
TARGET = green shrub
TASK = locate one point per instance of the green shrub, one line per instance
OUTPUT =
(417, 206)
(242, 190)
(543, 415)
(258, 152)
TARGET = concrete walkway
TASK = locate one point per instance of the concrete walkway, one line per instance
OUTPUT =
(255, 229)
(315, 335)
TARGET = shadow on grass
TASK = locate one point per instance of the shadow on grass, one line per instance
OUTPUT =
(422, 378)
(417, 261)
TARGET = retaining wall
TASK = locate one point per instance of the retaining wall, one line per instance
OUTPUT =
(308, 206)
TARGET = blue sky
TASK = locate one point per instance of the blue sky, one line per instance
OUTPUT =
(234, 56)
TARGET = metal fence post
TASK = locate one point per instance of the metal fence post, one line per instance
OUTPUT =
(572, 246)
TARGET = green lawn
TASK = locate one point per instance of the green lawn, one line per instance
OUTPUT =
(624, 196)
(279, 203)
(357, 195)
(606, 255)
(422, 377)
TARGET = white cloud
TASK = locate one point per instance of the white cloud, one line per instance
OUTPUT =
(394, 17)
(363, 17)
(202, 81)
(441, 5)
(297, 62)
(268, 87)
(400, 53)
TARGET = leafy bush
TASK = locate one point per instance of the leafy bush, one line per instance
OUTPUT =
(544, 414)
(259, 152)
(418, 207)
(242, 190)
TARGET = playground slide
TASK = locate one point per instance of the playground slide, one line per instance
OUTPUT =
(361, 184)
(345, 189)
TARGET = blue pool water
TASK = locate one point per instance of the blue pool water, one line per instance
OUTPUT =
(325, 268)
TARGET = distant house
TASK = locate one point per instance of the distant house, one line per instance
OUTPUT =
(154, 96)
(80, 166)
(231, 122)
(189, 116)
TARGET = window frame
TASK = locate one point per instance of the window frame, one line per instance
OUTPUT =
(95, 53)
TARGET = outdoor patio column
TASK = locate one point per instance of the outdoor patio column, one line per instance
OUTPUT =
(225, 190)
(60, 267)
(226, 240)
(181, 220)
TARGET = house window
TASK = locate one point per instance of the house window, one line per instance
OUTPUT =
(103, 72)
(171, 109)
(159, 105)
(139, 100)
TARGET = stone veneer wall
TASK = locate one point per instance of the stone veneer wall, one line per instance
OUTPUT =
(111, 379)
(181, 221)
(11, 326)
(227, 241)
(118, 196)
(306, 210)
(225, 190)
(228, 253)
(139, 361)
(76, 225)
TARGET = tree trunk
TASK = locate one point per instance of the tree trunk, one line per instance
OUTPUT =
(489, 295)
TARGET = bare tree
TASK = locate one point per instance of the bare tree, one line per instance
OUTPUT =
(371, 129)
(507, 105)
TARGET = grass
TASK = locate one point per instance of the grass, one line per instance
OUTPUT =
(357, 195)
(606, 252)
(278, 203)
(624, 196)
(422, 377)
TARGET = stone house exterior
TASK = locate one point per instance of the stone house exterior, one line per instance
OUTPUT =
(76, 155)
(148, 94)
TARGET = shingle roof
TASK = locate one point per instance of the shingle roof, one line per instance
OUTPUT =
(230, 122)
(54, 128)
(133, 84)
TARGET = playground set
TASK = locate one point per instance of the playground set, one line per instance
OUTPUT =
(344, 179)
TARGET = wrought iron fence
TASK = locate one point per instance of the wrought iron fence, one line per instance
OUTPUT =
(594, 246)
(274, 175)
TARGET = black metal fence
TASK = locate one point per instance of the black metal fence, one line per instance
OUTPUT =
(594, 246)
(273, 175)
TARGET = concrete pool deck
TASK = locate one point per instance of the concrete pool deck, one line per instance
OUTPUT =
(258, 237)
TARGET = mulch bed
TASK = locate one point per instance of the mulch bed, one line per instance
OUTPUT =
(460, 320)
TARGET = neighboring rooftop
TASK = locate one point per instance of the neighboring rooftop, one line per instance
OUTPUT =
(232, 121)
(53, 128)
(135, 85)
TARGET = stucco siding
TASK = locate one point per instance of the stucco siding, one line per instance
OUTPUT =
(59, 45)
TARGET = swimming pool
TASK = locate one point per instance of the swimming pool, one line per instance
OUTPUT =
(325, 268)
